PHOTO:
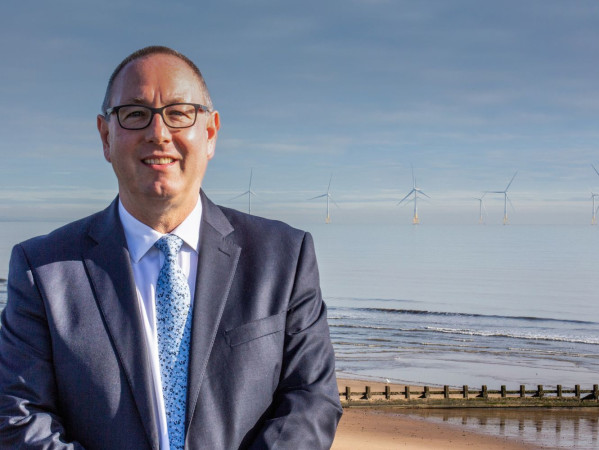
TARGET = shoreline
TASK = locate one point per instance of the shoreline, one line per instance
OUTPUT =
(381, 428)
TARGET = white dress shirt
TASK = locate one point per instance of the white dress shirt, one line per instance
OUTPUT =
(146, 261)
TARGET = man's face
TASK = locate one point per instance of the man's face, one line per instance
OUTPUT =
(158, 163)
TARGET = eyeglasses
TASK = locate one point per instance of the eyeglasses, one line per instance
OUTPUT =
(138, 117)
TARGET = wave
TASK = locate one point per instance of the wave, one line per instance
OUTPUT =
(573, 340)
(471, 332)
(460, 314)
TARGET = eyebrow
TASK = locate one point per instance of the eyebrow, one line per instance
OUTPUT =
(142, 101)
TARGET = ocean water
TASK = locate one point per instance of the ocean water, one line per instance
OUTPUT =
(462, 305)
(450, 305)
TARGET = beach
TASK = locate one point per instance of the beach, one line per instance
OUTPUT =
(378, 429)
(462, 428)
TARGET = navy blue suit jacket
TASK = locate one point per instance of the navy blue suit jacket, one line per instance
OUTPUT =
(74, 367)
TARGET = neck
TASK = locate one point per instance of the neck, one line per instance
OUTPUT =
(162, 215)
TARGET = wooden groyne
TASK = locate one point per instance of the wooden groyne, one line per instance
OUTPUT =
(465, 397)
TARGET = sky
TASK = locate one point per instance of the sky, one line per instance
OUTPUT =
(465, 92)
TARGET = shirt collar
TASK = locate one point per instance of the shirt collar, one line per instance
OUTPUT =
(141, 238)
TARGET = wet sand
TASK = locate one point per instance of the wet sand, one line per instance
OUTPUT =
(378, 429)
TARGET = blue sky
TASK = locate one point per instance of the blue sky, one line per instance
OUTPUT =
(468, 92)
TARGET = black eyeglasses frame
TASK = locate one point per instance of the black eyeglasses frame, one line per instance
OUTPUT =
(154, 111)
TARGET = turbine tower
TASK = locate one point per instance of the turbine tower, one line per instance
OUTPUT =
(481, 208)
(329, 198)
(415, 190)
(249, 193)
(505, 199)
(593, 195)
(594, 216)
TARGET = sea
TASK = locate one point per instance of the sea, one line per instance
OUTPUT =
(463, 305)
(449, 305)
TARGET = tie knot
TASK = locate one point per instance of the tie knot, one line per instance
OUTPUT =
(169, 244)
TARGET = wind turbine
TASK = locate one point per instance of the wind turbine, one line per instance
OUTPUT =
(415, 190)
(329, 198)
(481, 208)
(593, 195)
(505, 199)
(594, 216)
(249, 193)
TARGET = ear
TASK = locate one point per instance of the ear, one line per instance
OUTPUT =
(102, 125)
(212, 127)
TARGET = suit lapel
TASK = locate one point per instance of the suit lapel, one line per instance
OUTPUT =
(217, 262)
(109, 268)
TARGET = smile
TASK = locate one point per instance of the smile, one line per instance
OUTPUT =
(150, 161)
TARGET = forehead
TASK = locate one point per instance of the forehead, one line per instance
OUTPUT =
(157, 78)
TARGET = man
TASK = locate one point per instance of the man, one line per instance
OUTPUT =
(112, 339)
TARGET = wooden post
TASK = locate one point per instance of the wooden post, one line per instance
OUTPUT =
(522, 391)
(559, 391)
(426, 392)
(503, 393)
(577, 391)
(347, 393)
(540, 392)
(445, 391)
(387, 392)
(407, 391)
(596, 391)
(367, 392)
(465, 391)
(483, 392)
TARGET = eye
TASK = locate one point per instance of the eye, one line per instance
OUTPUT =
(180, 115)
(180, 111)
(136, 113)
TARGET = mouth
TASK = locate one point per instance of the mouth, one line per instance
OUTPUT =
(157, 161)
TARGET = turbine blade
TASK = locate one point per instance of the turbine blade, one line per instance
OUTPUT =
(510, 202)
(410, 193)
(240, 195)
(508, 186)
(597, 172)
(422, 192)
(318, 196)
(251, 174)
(330, 179)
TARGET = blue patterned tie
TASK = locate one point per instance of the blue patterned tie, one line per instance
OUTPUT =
(173, 301)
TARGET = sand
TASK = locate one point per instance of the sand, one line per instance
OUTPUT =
(388, 428)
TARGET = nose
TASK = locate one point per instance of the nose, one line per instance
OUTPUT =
(157, 131)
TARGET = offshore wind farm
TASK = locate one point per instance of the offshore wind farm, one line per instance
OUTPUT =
(416, 195)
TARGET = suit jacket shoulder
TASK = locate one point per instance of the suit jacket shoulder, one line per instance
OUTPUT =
(67, 240)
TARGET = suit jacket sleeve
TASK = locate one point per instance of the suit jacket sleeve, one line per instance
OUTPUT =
(28, 402)
(306, 407)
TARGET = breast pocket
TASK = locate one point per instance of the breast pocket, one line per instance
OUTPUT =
(256, 329)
